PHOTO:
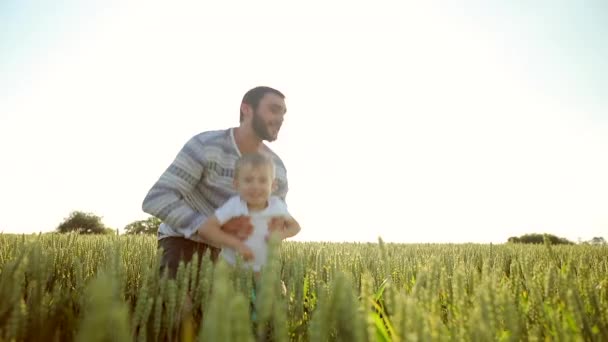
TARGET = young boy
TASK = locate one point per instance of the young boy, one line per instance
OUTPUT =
(254, 182)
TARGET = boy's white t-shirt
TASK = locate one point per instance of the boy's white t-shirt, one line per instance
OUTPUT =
(235, 207)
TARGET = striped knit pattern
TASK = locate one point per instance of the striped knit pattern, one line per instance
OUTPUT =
(199, 180)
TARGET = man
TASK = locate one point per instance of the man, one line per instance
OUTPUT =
(200, 179)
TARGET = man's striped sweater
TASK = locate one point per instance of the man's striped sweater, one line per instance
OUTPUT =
(198, 181)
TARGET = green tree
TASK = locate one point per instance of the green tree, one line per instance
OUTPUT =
(82, 223)
(513, 239)
(598, 240)
(147, 226)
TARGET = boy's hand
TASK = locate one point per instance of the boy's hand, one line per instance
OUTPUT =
(245, 251)
(240, 227)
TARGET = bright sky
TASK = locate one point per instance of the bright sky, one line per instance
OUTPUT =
(416, 123)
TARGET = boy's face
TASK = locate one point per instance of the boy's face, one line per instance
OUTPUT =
(255, 184)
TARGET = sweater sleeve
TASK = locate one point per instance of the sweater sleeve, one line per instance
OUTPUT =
(282, 184)
(165, 199)
(282, 189)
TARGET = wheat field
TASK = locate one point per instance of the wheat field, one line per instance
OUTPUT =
(107, 288)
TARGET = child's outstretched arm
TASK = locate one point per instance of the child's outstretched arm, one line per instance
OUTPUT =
(292, 228)
(282, 223)
(286, 227)
(212, 230)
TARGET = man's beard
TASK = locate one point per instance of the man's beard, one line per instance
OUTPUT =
(260, 128)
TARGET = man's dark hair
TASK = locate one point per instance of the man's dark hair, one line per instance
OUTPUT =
(253, 97)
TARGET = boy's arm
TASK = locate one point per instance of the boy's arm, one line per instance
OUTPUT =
(292, 228)
(283, 223)
(284, 226)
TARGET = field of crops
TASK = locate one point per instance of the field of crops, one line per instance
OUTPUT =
(107, 288)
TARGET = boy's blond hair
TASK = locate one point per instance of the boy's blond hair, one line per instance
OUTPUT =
(255, 159)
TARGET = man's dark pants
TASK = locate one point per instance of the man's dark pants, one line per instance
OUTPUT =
(176, 249)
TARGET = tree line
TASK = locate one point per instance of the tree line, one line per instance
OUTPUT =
(552, 239)
(89, 223)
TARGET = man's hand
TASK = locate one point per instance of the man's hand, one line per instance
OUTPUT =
(245, 251)
(276, 224)
(240, 227)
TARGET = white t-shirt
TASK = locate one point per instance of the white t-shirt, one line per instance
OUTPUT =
(235, 207)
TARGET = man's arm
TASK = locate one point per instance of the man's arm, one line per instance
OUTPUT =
(282, 189)
(211, 230)
(165, 199)
(282, 184)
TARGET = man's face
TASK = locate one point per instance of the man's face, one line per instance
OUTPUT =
(268, 117)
